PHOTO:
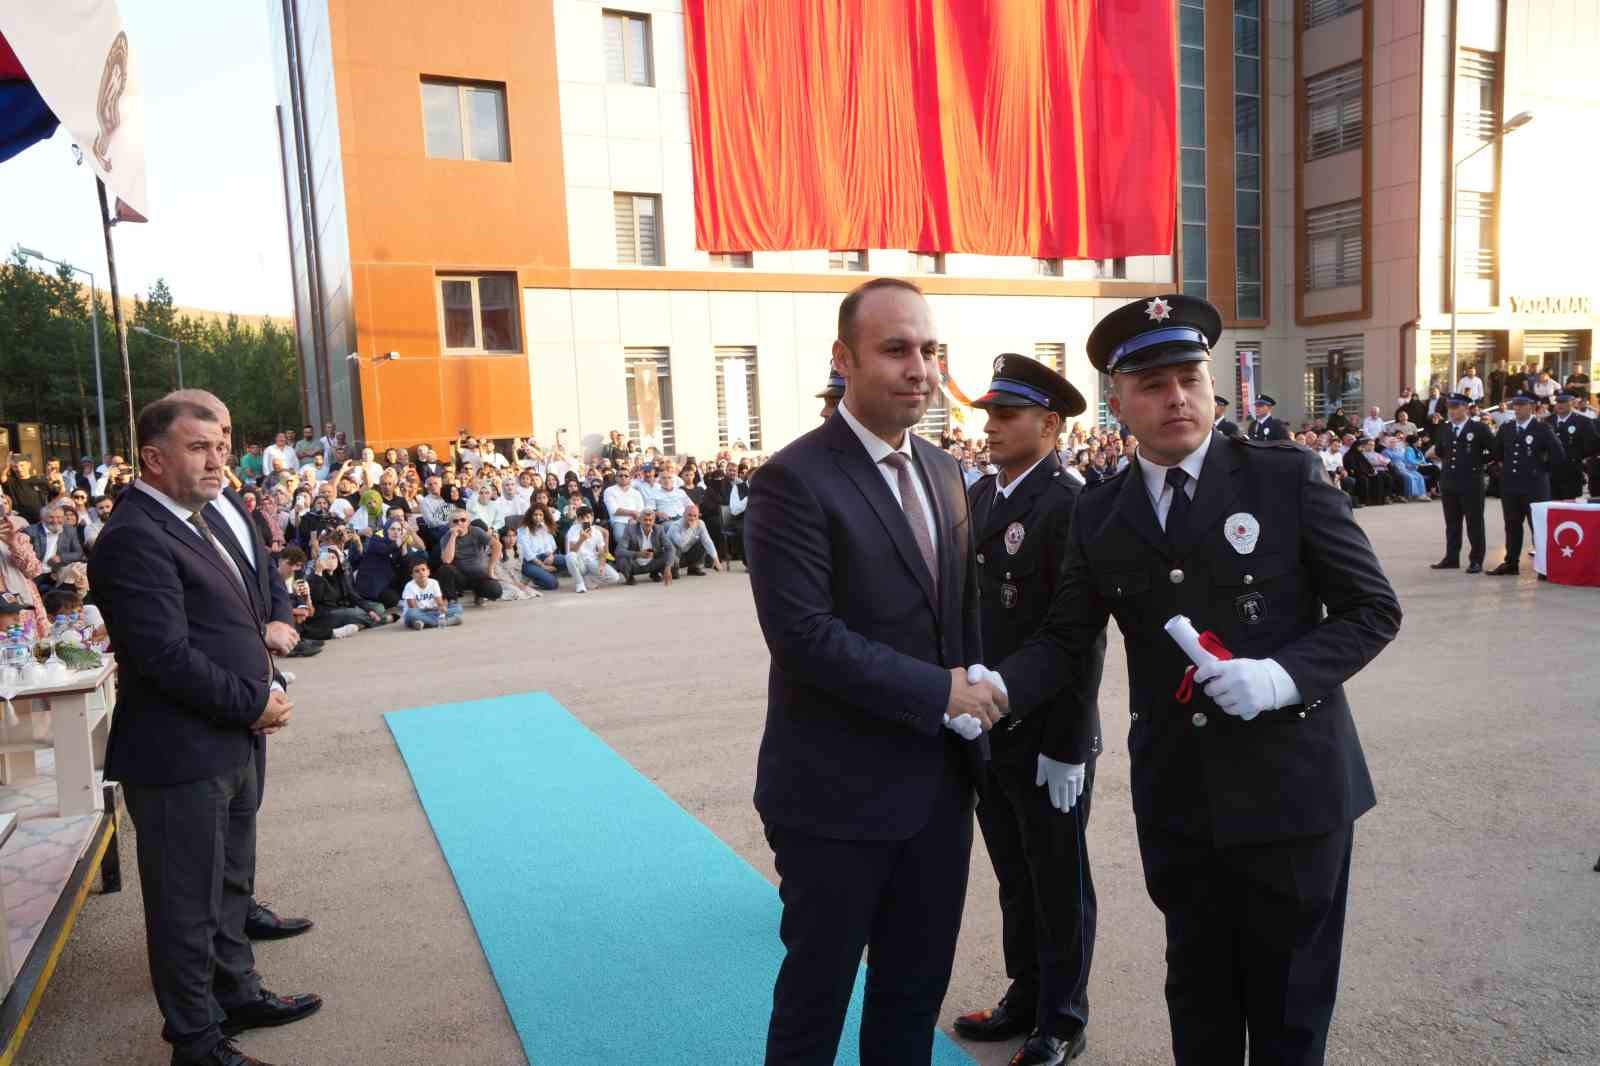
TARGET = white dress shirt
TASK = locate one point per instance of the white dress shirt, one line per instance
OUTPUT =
(878, 450)
(736, 502)
(627, 499)
(1005, 491)
(182, 514)
(1373, 426)
(239, 524)
(1471, 387)
(1155, 479)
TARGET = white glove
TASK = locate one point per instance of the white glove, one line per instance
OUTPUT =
(1246, 687)
(1064, 780)
(965, 726)
(977, 672)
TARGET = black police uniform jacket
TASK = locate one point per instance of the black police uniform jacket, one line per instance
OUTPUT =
(1227, 427)
(1269, 428)
(1022, 553)
(1526, 457)
(1579, 440)
(1309, 594)
(1461, 460)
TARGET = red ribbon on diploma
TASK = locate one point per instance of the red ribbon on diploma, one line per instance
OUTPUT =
(1211, 643)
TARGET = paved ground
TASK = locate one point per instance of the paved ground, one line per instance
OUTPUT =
(1474, 918)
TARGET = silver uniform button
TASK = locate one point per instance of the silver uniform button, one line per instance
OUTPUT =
(1249, 579)
(1134, 715)
(1176, 577)
(1199, 719)
(980, 558)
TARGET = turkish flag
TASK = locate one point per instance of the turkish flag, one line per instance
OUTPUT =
(1572, 550)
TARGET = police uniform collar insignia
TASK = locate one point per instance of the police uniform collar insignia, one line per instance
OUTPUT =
(1242, 530)
(1157, 310)
(1014, 535)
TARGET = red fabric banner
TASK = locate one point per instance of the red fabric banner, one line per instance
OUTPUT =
(1572, 553)
(1003, 127)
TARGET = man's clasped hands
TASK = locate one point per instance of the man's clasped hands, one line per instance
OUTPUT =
(978, 700)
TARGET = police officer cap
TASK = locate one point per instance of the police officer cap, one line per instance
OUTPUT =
(1023, 382)
(835, 387)
(1566, 396)
(1460, 399)
(1221, 401)
(1267, 400)
(1524, 397)
(1157, 332)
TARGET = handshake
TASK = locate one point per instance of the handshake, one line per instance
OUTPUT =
(978, 700)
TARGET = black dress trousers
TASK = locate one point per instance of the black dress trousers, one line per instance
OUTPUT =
(1047, 900)
(901, 901)
(1463, 506)
(1254, 937)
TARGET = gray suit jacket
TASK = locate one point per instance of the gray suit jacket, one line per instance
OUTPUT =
(69, 547)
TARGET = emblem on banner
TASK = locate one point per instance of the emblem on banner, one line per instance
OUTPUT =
(108, 108)
(1014, 535)
(1242, 531)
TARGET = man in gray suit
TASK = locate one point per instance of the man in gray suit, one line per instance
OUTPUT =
(645, 548)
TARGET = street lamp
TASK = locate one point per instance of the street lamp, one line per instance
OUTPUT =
(94, 331)
(1516, 122)
(177, 347)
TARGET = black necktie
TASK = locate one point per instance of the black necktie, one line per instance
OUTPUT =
(1178, 510)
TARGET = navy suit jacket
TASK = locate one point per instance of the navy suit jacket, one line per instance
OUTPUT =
(193, 668)
(862, 645)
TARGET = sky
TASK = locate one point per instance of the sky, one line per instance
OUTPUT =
(216, 229)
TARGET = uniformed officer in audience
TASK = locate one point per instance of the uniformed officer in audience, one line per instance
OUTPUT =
(1266, 427)
(1033, 802)
(1462, 447)
(1223, 423)
(1247, 776)
(831, 395)
(1579, 440)
(1525, 450)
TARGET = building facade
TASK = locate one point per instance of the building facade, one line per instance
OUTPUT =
(491, 220)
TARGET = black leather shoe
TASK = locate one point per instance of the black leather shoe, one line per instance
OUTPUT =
(656, 577)
(262, 924)
(1504, 569)
(628, 576)
(270, 1010)
(1474, 568)
(1445, 564)
(996, 1023)
(226, 1053)
(306, 648)
(695, 571)
(1041, 1050)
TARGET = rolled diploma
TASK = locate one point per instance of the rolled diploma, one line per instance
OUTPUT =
(1181, 630)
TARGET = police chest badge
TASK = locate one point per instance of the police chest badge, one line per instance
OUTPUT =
(1008, 594)
(1252, 608)
(1572, 428)
(1242, 531)
(1528, 439)
(1014, 535)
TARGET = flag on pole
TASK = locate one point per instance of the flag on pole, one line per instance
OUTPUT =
(73, 59)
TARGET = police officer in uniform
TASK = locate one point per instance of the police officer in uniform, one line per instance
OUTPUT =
(1526, 450)
(1033, 802)
(1462, 447)
(1266, 427)
(1247, 776)
(1579, 440)
(1224, 424)
(831, 395)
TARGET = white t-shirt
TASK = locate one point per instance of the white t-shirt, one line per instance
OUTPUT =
(423, 598)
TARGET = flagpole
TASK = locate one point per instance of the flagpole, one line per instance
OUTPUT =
(116, 316)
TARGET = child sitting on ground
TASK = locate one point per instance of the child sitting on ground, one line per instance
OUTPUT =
(425, 605)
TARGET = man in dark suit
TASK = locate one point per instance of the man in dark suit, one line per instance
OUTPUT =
(1222, 423)
(1525, 451)
(54, 541)
(861, 563)
(195, 697)
(1247, 776)
(1462, 448)
(234, 530)
(1033, 802)
(1579, 441)
(1265, 427)
(644, 548)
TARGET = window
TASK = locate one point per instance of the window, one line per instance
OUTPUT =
(1049, 268)
(628, 48)
(855, 259)
(1333, 246)
(1247, 74)
(1477, 94)
(1334, 377)
(740, 260)
(1113, 269)
(1333, 112)
(465, 120)
(1192, 142)
(936, 422)
(928, 262)
(478, 313)
(648, 376)
(638, 228)
(1475, 234)
(738, 408)
(1475, 348)
(1319, 11)
(1053, 356)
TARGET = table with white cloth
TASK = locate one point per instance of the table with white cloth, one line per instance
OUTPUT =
(73, 716)
(1553, 525)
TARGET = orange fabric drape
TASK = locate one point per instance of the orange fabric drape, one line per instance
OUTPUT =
(1003, 127)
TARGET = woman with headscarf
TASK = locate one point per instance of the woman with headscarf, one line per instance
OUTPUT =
(375, 566)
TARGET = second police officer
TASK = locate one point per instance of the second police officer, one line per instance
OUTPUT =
(1033, 802)
(1463, 447)
(1526, 450)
